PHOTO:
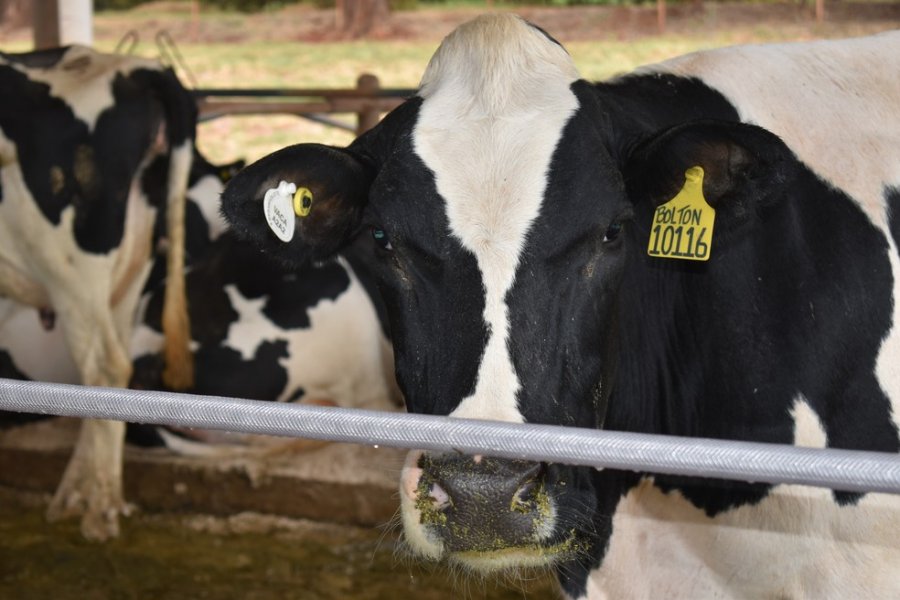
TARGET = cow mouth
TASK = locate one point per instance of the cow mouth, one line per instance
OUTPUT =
(527, 557)
(459, 513)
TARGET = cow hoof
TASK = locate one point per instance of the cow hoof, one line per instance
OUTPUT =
(99, 517)
(100, 527)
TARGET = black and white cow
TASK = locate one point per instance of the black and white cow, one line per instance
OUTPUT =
(311, 335)
(512, 206)
(78, 129)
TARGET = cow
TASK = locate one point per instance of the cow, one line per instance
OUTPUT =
(308, 335)
(311, 335)
(78, 129)
(513, 209)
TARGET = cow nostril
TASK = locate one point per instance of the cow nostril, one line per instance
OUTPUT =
(531, 493)
(528, 497)
(439, 497)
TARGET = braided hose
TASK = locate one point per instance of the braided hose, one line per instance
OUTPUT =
(848, 470)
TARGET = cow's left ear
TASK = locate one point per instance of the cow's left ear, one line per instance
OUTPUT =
(301, 203)
(745, 168)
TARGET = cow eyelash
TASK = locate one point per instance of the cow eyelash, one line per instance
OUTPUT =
(612, 232)
(615, 228)
(381, 239)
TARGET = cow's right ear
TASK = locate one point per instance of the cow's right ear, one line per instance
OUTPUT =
(323, 214)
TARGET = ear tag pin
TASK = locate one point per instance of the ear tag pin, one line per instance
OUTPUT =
(682, 228)
(278, 209)
(302, 202)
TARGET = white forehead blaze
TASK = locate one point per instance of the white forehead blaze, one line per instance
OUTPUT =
(496, 97)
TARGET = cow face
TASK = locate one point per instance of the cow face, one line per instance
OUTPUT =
(499, 218)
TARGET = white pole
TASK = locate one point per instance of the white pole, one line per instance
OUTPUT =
(76, 22)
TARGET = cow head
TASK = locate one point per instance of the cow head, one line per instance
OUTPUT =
(500, 214)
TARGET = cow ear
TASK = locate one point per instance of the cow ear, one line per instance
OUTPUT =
(745, 169)
(325, 190)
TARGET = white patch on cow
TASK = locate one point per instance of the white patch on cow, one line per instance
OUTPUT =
(496, 98)
(341, 357)
(40, 354)
(416, 536)
(796, 543)
(80, 64)
(808, 429)
(40, 252)
(205, 194)
(834, 103)
(251, 328)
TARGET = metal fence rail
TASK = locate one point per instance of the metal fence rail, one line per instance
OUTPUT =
(368, 101)
(831, 468)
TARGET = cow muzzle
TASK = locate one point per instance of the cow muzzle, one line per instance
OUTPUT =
(484, 513)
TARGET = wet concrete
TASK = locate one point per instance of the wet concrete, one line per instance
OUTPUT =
(246, 557)
(247, 526)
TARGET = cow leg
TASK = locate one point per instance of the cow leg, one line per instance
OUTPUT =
(92, 483)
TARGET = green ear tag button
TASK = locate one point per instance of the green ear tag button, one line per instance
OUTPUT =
(683, 226)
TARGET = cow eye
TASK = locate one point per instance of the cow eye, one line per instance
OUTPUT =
(612, 232)
(381, 239)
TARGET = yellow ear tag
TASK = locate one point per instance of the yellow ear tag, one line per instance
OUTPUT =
(683, 226)
(302, 202)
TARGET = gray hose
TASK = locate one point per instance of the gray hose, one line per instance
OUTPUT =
(848, 470)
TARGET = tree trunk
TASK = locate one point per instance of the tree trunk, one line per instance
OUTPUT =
(358, 18)
(15, 14)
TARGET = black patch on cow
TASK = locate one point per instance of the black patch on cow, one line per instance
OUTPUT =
(289, 295)
(296, 395)
(544, 32)
(121, 138)
(178, 104)
(565, 282)
(364, 263)
(429, 282)
(634, 108)
(288, 305)
(47, 136)
(892, 200)
(724, 349)
(222, 371)
(11, 419)
(8, 368)
(144, 436)
(64, 164)
(37, 59)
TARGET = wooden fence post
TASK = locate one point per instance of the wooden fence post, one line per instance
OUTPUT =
(46, 24)
(368, 115)
(661, 16)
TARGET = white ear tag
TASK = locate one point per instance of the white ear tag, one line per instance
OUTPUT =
(279, 210)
